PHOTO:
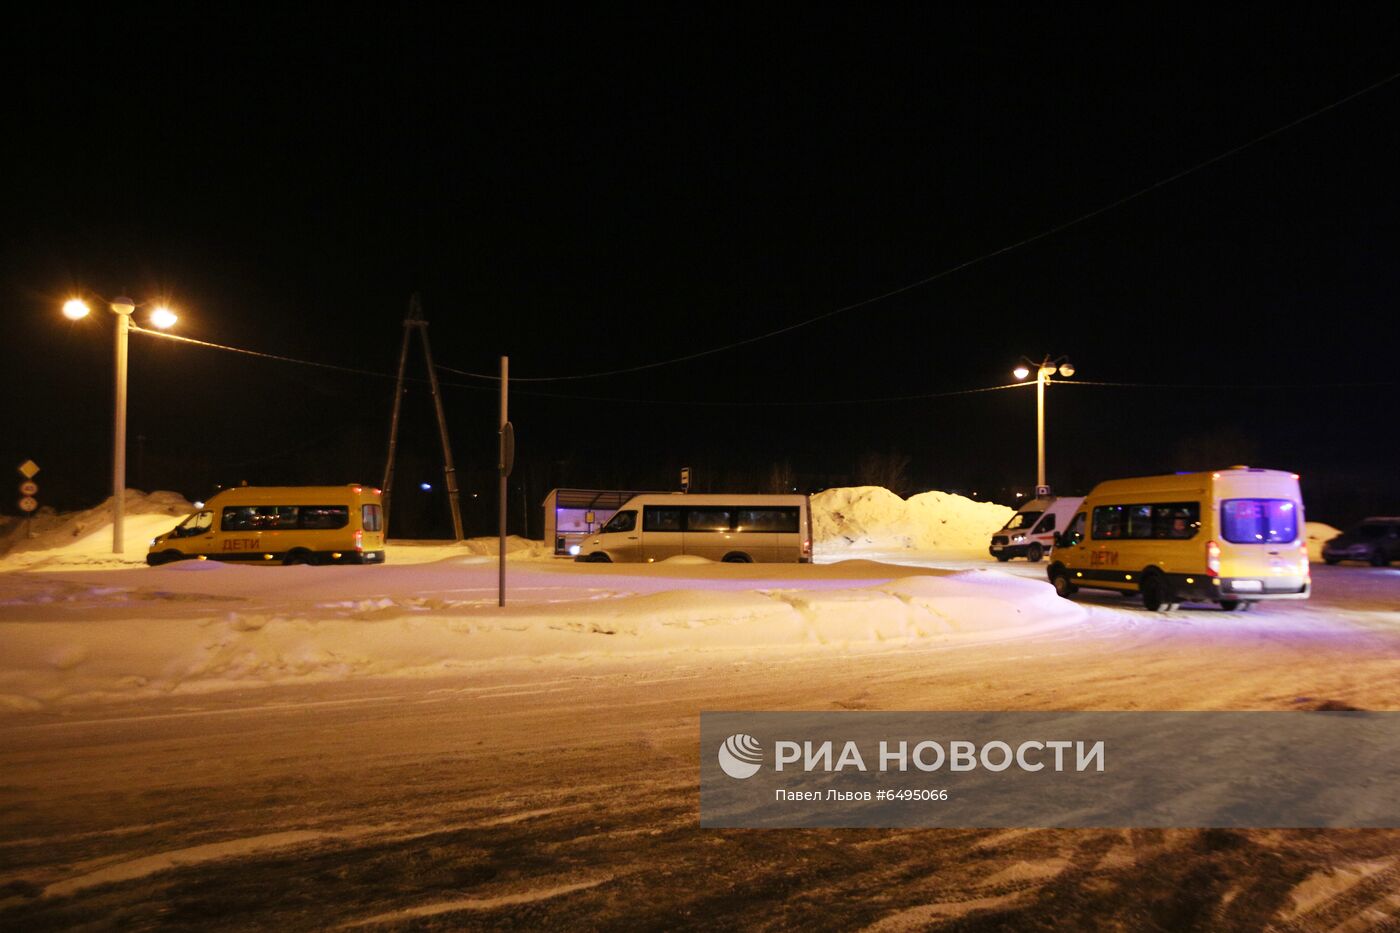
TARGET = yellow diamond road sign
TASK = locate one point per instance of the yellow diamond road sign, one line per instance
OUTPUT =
(29, 468)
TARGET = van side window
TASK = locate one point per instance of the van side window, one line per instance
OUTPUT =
(622, 521)
(656, 518)
(1157, 520)
(708, 518)
(239, 518)
(1108, 521)
(1176, 520)
(785, 520)
(329, 516)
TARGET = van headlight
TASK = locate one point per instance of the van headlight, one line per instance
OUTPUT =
(573, 550)
(1015, 538)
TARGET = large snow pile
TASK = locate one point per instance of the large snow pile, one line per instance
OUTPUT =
(1319, 533)
(873, 517)
(71, 540)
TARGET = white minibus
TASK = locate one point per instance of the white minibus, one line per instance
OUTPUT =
(733, 528)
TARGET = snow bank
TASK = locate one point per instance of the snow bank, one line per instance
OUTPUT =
(873, 517)
(1319, 533)
(83, 638)
(74, 540)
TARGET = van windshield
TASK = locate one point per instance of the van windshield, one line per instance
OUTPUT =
(1021, 520)
(1259, 521)
(622, 521)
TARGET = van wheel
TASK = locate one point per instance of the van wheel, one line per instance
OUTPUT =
(1235, 605)
(1034, 553)
(1059, 578)
(1003, 558)
(298, 556)
(600, 558)
(1379, 558)
(1156, 593)
(738, 558)
(164, 557)
(1332, 561)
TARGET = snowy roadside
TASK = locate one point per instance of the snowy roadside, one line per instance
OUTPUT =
(197, 627)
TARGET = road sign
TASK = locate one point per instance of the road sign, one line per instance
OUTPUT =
(1042, 491)
(28, 504)
(507, 437)
(28, 468)
(28, 488)
(685, 479)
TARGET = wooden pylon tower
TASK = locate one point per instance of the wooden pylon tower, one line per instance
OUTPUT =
(413, 322)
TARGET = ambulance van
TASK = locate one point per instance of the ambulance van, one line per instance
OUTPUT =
(1030, 533)
(1232, 537)
(287, 524)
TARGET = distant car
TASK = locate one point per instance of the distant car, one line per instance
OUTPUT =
(1375, 540)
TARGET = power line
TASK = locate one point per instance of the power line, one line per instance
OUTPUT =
(745, 404)
(1223, 385)
(804, 403)
(1058, 228)
(258, 353)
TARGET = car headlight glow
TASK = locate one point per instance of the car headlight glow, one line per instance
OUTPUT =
(573, 550)
(1018, 537)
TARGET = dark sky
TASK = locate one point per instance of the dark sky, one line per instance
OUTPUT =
(594, 194)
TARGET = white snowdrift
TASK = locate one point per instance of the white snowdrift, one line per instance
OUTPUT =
(875, 518)
(84, 539)
(197, 627)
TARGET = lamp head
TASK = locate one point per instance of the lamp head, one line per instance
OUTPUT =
(123, 305)
(1020, 372)
(75, 309)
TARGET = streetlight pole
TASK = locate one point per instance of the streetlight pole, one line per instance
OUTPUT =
(122, 308)
(76, 309)
(1043, 371)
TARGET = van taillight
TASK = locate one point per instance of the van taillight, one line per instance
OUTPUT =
(1213, 559)
(359, 539)
(807, 547)
(1303, 560)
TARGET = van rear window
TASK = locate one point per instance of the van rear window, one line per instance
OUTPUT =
(1259, 521)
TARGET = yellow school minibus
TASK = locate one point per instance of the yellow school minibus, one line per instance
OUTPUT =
(290, 524)
(739, 529)
(1232, 537)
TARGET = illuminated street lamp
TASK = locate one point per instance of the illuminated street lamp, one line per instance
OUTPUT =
(76, 309)
(1045, 369)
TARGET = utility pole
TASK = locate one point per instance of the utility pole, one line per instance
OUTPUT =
(415, 321)
(505, 465)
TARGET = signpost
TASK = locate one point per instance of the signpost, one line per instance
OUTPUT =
(27, 491)
(685, 479)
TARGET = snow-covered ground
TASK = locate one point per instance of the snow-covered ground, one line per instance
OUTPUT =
(226, 746)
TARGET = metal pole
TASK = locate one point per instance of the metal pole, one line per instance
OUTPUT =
(1040, 379)
(119, 440)
(449, 471)
(501, 497)
(388, 484)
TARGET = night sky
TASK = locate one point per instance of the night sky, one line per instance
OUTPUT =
(596, 194)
